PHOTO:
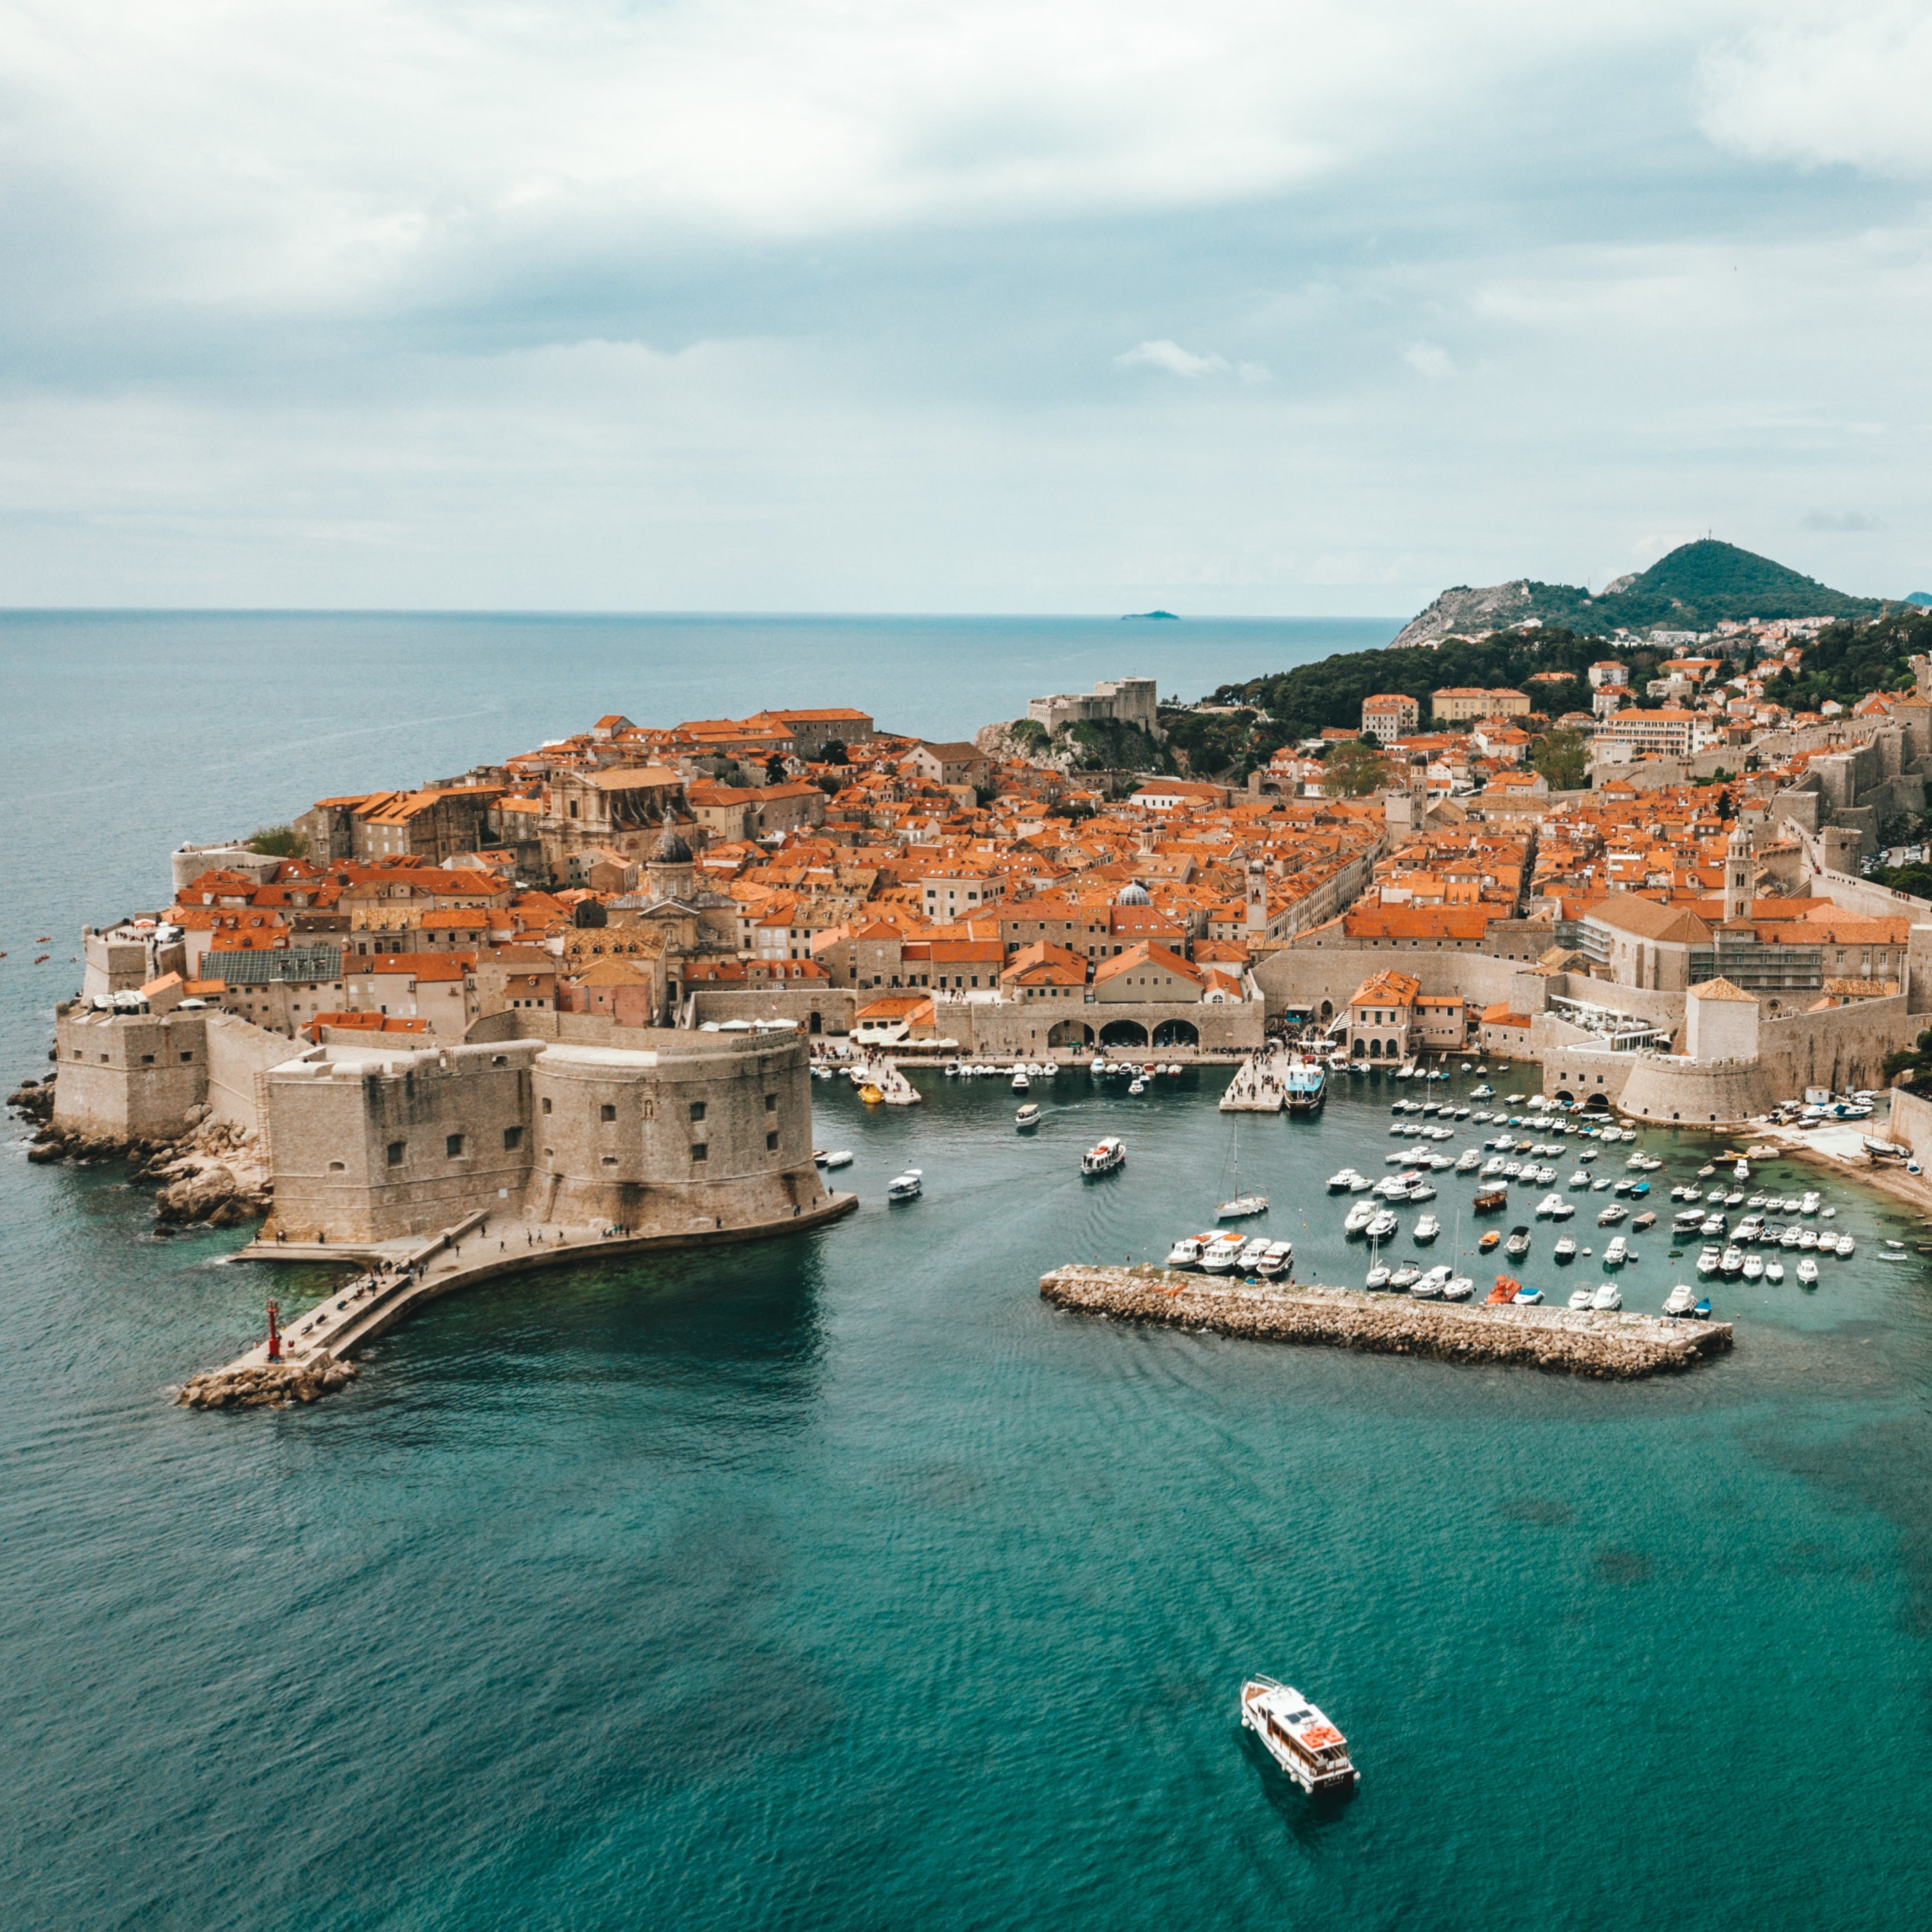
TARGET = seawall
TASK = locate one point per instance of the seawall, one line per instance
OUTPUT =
(1621, 1347)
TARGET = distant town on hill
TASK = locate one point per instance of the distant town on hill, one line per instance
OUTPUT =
(1694, 588)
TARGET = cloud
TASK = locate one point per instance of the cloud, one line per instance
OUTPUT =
(1427, 359)
(1846, 82)
(1186, 364)
(1839, 519)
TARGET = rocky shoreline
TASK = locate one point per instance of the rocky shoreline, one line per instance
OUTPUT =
(215, 1175)
(1610, 1347)
(269, 1385)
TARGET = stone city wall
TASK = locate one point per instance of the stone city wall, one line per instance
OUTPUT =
(1310, 975)
(238, 1055)
(1842, 1047)
(1911, 1124)
(129, 1076)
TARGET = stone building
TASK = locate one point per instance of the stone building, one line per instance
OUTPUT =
(701, 1132)
(1128, 700)
(1381, 1011)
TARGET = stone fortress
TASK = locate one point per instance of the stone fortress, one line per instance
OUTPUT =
(1124, 700)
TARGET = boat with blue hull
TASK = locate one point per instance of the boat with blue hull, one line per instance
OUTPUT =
(1305, 1085)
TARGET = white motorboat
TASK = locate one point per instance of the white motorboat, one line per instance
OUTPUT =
(1419, 1189)
(1384, 1224)
(1549, 1205)
(1754, 1270)
(1104, 1156)
(1808, 1204)
(1458, 1287)
(1253, 1254)
(1709, 1261)
(1617, 1253)
(1791, 1237)
(1298, 1736)
(1242, 1207)
(1405, 1277)
(1773, 1271)
(1028, 1116)
(1429, 1286)
(1221, 1253)
(1807, 1272)
(1565, 1250)
(1579, 1298)
(1742, 1170)
(1527, 1298)
(1469, 1161)
(1427, 1228)
(1359, 1214)
(1681, 1300)
(1020, 1082)
(1615, 1212)
(1340, 1183)
(907, 1186)
(1606, 1297)
(1276, 1260)
(1731, 1263)
(838, 1157)
(1186, 1252)
(1846, 1244)
(1378, 1276)
(1807, 1238)
(1484, 1092)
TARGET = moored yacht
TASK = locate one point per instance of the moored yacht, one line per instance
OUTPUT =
(1221, 1253)
(1298, 1736)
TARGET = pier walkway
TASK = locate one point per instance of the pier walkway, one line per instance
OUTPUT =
(1618, 1347)
(400, 1275)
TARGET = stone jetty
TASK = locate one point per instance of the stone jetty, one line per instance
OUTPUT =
(1619, 1347)
(1258, 1086)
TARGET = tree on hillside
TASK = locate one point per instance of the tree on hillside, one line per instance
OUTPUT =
(1353, 770)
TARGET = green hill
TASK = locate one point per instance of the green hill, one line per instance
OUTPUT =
(1697, 586)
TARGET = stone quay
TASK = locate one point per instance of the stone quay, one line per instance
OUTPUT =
(1615, 1347)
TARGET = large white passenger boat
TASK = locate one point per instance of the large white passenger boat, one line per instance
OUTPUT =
(1104, 1155)
(1298, 1736)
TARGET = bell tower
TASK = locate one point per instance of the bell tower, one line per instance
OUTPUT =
(1258, 911)
(1737, 875)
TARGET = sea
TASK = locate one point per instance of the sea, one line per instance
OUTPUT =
(838, 1582)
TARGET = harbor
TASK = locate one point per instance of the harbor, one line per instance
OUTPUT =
(1616, 1347)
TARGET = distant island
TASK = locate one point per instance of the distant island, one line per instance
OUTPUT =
(1149, 616)
(1694, 588)
(1923, 599)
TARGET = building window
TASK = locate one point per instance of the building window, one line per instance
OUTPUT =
(396, 1153)
(607, 1112)
(697, 1110)
(771, 1103)
(453, 1146)
(147, 1060)
(699, 1150)
(771, 1142)
(513, 1138)
(187, 1056)
(546, 1106)
(609, 1160)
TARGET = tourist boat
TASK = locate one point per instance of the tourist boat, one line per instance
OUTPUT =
(1617, 1253)
(1298, 1737)
(1490, 1241)
(1276, 1260)
(1579, 1298)
(1607, 1297)
(1027, 1116)
(1773, 1271)
(1306, 1084)
(870, 1094)
(1565, 1250)
(1807, 1272)
(838, 1157)
(1517, 1246)
(1359, 1214)
(1427, 1228)
(906, 1186)
(1221, 1252)
(1104, 1156)
(1490, 1200)
(1186, 1252)
(1681, 1300)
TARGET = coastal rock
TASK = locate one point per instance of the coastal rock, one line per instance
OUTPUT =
(266, 1385)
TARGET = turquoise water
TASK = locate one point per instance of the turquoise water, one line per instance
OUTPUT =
(839, 1582)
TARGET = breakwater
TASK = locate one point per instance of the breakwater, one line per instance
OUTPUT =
(1619, 1347)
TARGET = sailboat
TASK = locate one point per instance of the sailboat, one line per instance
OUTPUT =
(1240, 1206)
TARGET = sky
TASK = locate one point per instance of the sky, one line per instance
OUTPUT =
(1292, 308)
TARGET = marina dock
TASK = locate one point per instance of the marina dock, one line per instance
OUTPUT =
(1258, 1085)
(1620, 1347)
(399, 1276)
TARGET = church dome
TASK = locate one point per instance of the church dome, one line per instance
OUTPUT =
(672, 851)
(1135, 894)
